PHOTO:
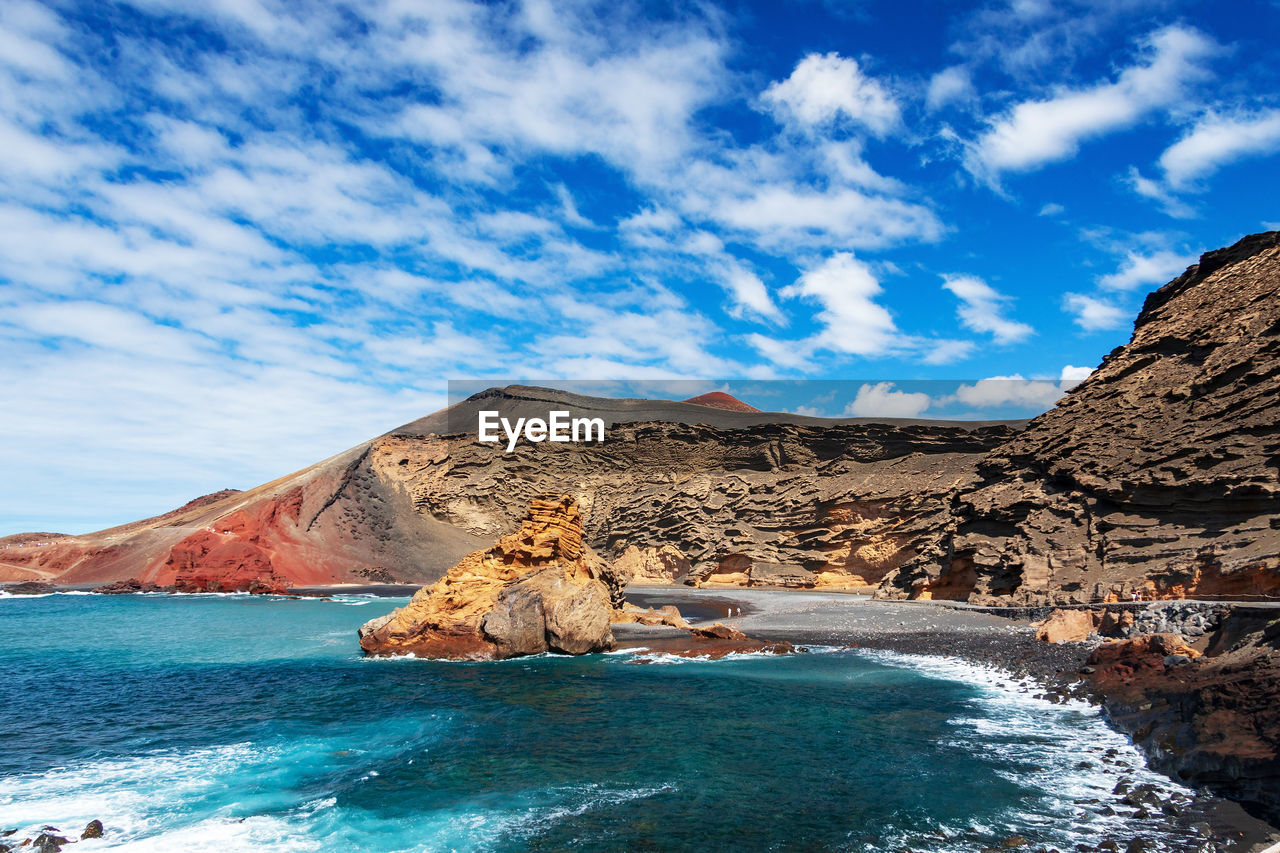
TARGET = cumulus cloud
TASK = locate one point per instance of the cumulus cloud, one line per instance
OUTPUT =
(1014, 390)
(949, 86)
(828, 88)
(1092, 313)
(982, 309)
(749, 294)
(852, 321)
(1072, 375)
(1137, 270)
(883, 400)
(1217, 140)
(1037, 132)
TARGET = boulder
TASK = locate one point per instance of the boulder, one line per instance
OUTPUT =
(536, 590)
(1068, 626)
(668, 615)
(718, 631)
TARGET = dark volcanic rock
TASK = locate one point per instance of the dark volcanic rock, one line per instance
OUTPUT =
(1158, 474)
(132, 585)
(1210, 721)
(29, 588)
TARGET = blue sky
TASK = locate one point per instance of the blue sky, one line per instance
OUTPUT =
(239, 236)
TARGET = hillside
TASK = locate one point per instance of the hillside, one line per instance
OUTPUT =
(1156, 475)
(786, 492)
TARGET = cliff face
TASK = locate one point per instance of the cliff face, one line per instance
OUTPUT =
(1157, 474)
(839, 506)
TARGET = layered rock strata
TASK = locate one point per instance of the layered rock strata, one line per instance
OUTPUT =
(1159, 475)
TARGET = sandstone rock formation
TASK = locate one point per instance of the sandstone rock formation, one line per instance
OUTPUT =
(536, 590)
(662, 564)
(1068, 626)
(1158, 474)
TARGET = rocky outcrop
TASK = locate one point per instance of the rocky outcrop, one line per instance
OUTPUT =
(1211, 720)
(537, 590)
(662, 564)
(1068, 626)
(1157, 475)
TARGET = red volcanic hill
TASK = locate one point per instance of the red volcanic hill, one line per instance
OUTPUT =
(720, 400)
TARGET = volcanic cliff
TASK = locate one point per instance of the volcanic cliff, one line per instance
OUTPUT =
(721, 494)
(1156, 475)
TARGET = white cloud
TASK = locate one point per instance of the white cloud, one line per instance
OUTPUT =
(1159, 193)
(778, 215)
(825, 88)
(1037, 132)
(749, 295)
(1137, 270)
(1072, 375)
(1092, 313)
(982, 309)
(1052, 209)
(853, 322)
(1008, 390)
(947, 351)
(883, 400)
(1217, 140)
(949, 86)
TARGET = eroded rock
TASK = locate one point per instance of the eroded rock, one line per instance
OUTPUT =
(536, 590)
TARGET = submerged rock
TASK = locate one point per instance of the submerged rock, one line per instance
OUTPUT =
(536, 590)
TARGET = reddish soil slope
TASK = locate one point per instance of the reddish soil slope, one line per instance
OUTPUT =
(720, 400)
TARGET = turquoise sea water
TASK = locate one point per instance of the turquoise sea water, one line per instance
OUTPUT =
(227, 723)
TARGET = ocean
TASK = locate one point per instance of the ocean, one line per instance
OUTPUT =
(226, 723)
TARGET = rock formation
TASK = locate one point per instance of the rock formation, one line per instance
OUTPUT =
(1158, 474)
(534, 591)
(663, 564)
(1211, 720)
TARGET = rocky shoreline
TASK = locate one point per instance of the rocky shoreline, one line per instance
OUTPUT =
(1006, 645)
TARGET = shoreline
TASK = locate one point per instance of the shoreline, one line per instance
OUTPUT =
(1003, 646)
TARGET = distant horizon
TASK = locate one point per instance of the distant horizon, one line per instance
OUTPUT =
(240, 235)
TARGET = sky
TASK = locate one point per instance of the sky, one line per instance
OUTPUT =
(240, 236)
